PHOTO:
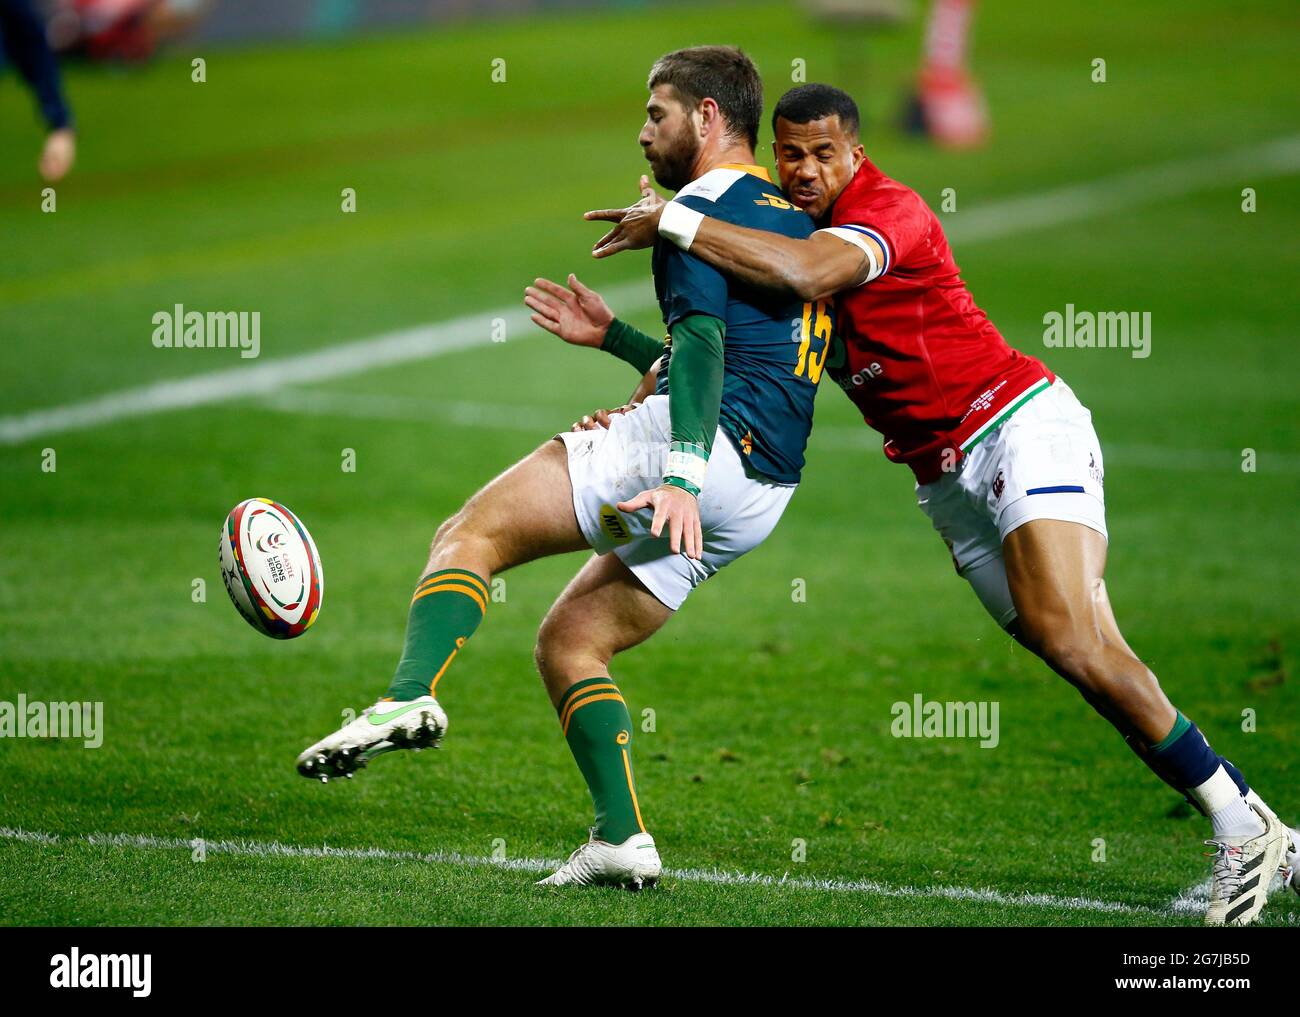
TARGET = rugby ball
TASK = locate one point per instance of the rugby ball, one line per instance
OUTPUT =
(271, 569)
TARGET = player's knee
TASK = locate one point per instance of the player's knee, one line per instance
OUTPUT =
(443, 535)
(563, 649)
(548, 651)
(464, 533)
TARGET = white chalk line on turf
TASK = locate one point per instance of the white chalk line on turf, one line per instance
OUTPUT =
(993, 221)
(269, 377)
(1130, 189)
(273, 849)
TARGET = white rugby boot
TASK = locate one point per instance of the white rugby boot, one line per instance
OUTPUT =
(1291, 860)
(1290, 868)
(633, 865)
(384, 727)
(1243, 870)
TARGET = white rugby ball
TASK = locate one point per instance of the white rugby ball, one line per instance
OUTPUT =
(271, 569)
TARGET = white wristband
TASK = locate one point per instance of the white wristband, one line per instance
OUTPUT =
(679, 223)
(688, 463)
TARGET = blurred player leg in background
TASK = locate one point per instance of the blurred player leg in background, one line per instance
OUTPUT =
(948, 106)
(23, 34)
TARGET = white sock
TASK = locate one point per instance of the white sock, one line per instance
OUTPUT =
(1236, 820)
(1221, 800)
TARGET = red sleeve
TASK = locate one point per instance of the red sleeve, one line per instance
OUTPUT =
(897, 220)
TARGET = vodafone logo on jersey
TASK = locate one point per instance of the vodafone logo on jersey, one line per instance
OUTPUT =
(859, 378)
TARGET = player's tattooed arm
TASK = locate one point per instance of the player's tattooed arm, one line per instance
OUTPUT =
(816, 267)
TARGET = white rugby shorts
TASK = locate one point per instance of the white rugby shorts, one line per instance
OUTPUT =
(1043, 462)
(738, 506)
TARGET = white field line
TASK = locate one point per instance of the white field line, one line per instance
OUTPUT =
(993, 221)
(1239, 168)
(269, 377)
(1194, 900)
(418, 410)
(273, 849)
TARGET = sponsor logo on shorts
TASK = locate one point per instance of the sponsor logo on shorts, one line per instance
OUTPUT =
(1095, 472)
(613, 526)
(999, 485)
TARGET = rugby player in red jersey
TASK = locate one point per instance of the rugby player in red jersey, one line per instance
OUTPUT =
(1007, 464)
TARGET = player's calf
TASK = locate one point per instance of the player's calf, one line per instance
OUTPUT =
(604, 610)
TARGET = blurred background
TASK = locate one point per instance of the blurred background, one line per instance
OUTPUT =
(380, 179)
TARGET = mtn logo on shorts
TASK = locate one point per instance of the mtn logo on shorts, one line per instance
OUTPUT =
(613, 526)
(747, 443)
(999, 485)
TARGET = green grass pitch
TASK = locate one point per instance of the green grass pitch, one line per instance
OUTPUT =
(772, 716)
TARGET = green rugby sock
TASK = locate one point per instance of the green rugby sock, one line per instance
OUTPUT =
(447, 608)
(598, 728)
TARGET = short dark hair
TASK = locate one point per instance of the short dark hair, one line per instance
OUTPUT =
(721, 73)
(807, 103)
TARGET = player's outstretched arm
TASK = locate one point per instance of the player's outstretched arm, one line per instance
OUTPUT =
(579, 315)
(816, 267)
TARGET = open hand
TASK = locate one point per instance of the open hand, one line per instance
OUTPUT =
(579, 315)
(677, 508)
(636, 227)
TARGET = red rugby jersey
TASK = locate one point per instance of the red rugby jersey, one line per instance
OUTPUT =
(922, 362)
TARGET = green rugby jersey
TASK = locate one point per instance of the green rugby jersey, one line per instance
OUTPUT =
(775, 345)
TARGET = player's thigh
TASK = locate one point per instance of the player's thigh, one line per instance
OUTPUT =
(604, 610)
(972, 540)
(526, 512)
(1055, 571)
